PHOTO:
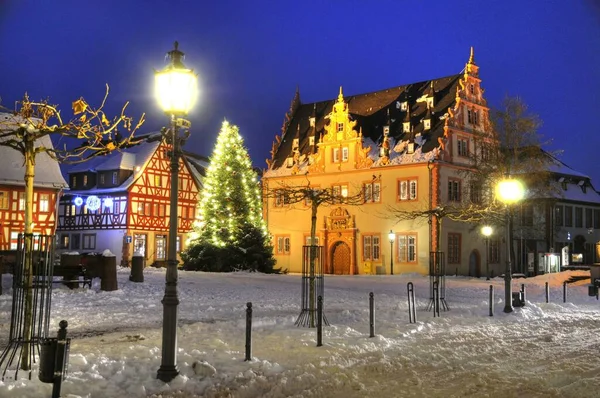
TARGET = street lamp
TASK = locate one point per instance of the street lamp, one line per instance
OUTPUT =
(391, 237)
(176, 91)
(509, 192)
(486, 231)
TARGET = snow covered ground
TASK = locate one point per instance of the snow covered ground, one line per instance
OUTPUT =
(541, 350)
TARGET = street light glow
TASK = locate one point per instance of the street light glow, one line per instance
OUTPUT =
(391, 236)
(176, 87)
(486, 230)
(510, 191)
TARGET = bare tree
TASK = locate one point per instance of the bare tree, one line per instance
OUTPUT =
(31, 121)
(315, 197)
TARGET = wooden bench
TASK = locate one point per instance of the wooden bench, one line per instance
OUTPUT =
(72, 276)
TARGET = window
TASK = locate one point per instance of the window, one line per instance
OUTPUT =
(407, 189)
(340, 127)
(295, 144)
(281, 199)
(178, 244)
(406, 127)
(283, 245)
(463, 147)
(527, 215)
(494, 251)
(371, 248)
(427, 124)
(453, 190)
(155, 209)
(474, 192)
(579, 217)
(21, 200)
(308, 241)
(157, 181)
(596, 219)
(372, 192)
(139, 244)
(161, 210)
(568, 216)
(559, 216)
(44, 202)
(64, 241)
(345, 154)
(102, 178)
(453, 248)
(469, 116)
(311, 140)
(3, 200)
(89, 241)
(115, 178)
(340, 191)
(160, 241)
(407, 248)
(476, 118)
(85, 180)
(472, 88)
(75, 242)
(588, 218)
(404, 105)
(14, 240)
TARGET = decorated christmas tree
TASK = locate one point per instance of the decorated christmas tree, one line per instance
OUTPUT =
(230, 233)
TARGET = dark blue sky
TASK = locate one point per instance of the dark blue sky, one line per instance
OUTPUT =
(251, 55)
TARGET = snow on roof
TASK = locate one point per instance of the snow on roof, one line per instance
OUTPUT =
(559, 167)
(12, 172)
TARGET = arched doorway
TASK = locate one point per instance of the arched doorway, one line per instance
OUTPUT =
(340, 258)
(475, 264)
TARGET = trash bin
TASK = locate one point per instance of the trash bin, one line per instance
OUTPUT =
(517, 299)
(47, 360)
(108, 280)
(137, 268)
(595, 272)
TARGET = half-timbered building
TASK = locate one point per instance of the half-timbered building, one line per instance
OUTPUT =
(48, 186)
(121, 202)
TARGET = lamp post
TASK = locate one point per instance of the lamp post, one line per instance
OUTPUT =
(509, 192)
(392, 237)
(175, 89)
(486, 231)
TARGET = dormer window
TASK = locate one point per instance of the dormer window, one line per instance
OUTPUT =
(406, 127)
(115, 178)
(410, 148)
(429, 102)
(404, 105)
(102, 179)
(340, 127)
(85, 180)
(386, 130)
(74, 181)
(427, 124)
(290, 162)
(311, 141)
(295, 143)
(583, 188)
(383, 151)
(312, 121)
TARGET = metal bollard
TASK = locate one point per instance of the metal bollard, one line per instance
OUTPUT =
(547, 292)
(319, 321)
(523, 295)
(412, 311)
(564, 291)
(436, 299)
(371, 315)
(62, 346)
(248, 332)
(491, 300)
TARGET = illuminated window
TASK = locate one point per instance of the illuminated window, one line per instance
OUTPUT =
(21, 200)
(407, 248)
(160, 242)
(336, 155)
(372, 192)
(85, 180)
(345, 154)
(340, 127)
(427, 124)
(340, 191)
(73, 181)
(44, 202)
(157, 181)
(281, 198)
(406, 127)
(407, 189)
(3, 200)
(371, 248)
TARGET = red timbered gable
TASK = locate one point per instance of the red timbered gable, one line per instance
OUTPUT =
(149, 195)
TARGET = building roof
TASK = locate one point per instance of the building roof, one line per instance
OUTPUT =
(371, 112)
(198, 165)
(12, 172)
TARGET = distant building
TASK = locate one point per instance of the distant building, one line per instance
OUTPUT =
(121, 202)
(403, 147)
(48, 186)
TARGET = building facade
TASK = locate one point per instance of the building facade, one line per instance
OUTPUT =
(48, 187)
(404, 148)
(121, 202)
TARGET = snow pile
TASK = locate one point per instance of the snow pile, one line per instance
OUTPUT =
(540, 350)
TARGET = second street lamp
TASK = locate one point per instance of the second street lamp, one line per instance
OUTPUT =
(176, 91)
(509, 192)
(486, 231)
(392, 237)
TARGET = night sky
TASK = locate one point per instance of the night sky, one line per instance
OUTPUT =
(251, 55)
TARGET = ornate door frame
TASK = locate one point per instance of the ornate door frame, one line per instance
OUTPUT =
(339, 226)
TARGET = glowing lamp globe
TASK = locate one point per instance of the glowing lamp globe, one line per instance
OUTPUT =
(391, 236)
(176, 87)
(510, 191)
(486, 230)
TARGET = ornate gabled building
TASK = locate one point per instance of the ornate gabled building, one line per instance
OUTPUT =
(48, 186)
(121, 201)
(404, 147)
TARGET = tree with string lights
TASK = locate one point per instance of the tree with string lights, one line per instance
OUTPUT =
(230, 233)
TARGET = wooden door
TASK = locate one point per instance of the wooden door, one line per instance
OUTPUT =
(341, 259)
